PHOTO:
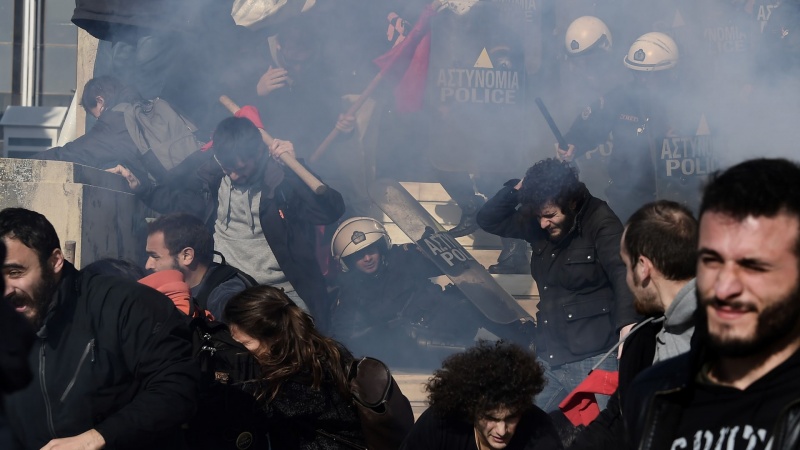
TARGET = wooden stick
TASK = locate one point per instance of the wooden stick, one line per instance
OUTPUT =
(353, 109)
(308, 178)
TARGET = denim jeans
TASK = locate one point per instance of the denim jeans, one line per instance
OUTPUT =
(563, 379)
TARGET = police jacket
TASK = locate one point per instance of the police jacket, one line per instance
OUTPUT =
(288, 212)
(112, 355)
(654, 405)
(584, 299)
(636, 121)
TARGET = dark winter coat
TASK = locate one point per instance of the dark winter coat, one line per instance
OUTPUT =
(581, 279)
(608, 429)
(288, 212)
(373, 308)
(114, 356)
(105, 145)
(16, 339)
(637, 121)
(433, 431)
(298, 411)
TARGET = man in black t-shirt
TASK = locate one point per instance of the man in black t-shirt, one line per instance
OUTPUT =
(738, 387)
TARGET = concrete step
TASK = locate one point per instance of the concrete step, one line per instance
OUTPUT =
(412, 384)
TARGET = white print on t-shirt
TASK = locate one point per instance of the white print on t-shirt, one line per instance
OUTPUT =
(729, 438)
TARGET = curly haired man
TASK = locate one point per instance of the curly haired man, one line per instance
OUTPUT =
(585, 303)
(483, 399)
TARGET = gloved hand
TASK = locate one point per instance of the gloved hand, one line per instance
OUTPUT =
(250, 113)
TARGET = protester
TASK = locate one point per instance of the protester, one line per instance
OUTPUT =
(659, 248)
(304, 385)
(182, 242)
(585, 303)
(118, 372)
(108, 143)
(263, 216)
(737, 387)
(483, 398)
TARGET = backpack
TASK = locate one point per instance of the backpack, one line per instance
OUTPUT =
(228, 415)
(164, 137)
(221, 273)
(385, 413)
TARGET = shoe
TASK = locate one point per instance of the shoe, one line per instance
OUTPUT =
(513, 258)
(468, 223)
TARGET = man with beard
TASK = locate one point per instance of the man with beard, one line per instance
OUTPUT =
(737, 388)
(112, 365)
(181, 242)
(585, 304)
(659, 249)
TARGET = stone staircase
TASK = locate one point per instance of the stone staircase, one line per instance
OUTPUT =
(484, 248)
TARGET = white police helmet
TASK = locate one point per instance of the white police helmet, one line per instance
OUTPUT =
(652, 52)
(587, 33)
(356, 234)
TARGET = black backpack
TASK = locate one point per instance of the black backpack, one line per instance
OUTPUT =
(221, 273)
(228, 416)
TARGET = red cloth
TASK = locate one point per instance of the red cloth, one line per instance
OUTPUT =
(250, 113)
(170, 283)
(580, 406)
(407, 63)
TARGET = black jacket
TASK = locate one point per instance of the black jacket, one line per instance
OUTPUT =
(581, 279)
(656, 399)
(608, 429)
(288, 212)
(299, 410)
(105, 145)
(637, 121)
(114, 356)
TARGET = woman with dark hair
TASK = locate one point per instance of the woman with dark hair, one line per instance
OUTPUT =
(304, 374)
(482, 399)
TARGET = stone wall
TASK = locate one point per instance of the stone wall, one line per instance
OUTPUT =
(85, 205)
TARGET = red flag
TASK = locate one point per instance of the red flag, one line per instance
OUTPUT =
(407, 63)
(580, 406)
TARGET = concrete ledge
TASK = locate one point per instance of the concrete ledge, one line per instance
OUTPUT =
(31, 170)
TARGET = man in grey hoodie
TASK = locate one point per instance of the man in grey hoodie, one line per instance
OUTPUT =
(659, 249)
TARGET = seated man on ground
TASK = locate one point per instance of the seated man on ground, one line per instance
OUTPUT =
(389, 308)
(483, 399)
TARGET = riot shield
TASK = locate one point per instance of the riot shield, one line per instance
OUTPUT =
(479, 63)
(469, 276)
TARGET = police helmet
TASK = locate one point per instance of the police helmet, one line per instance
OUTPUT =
(587, 33)
(356, 234)
(652, 52)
